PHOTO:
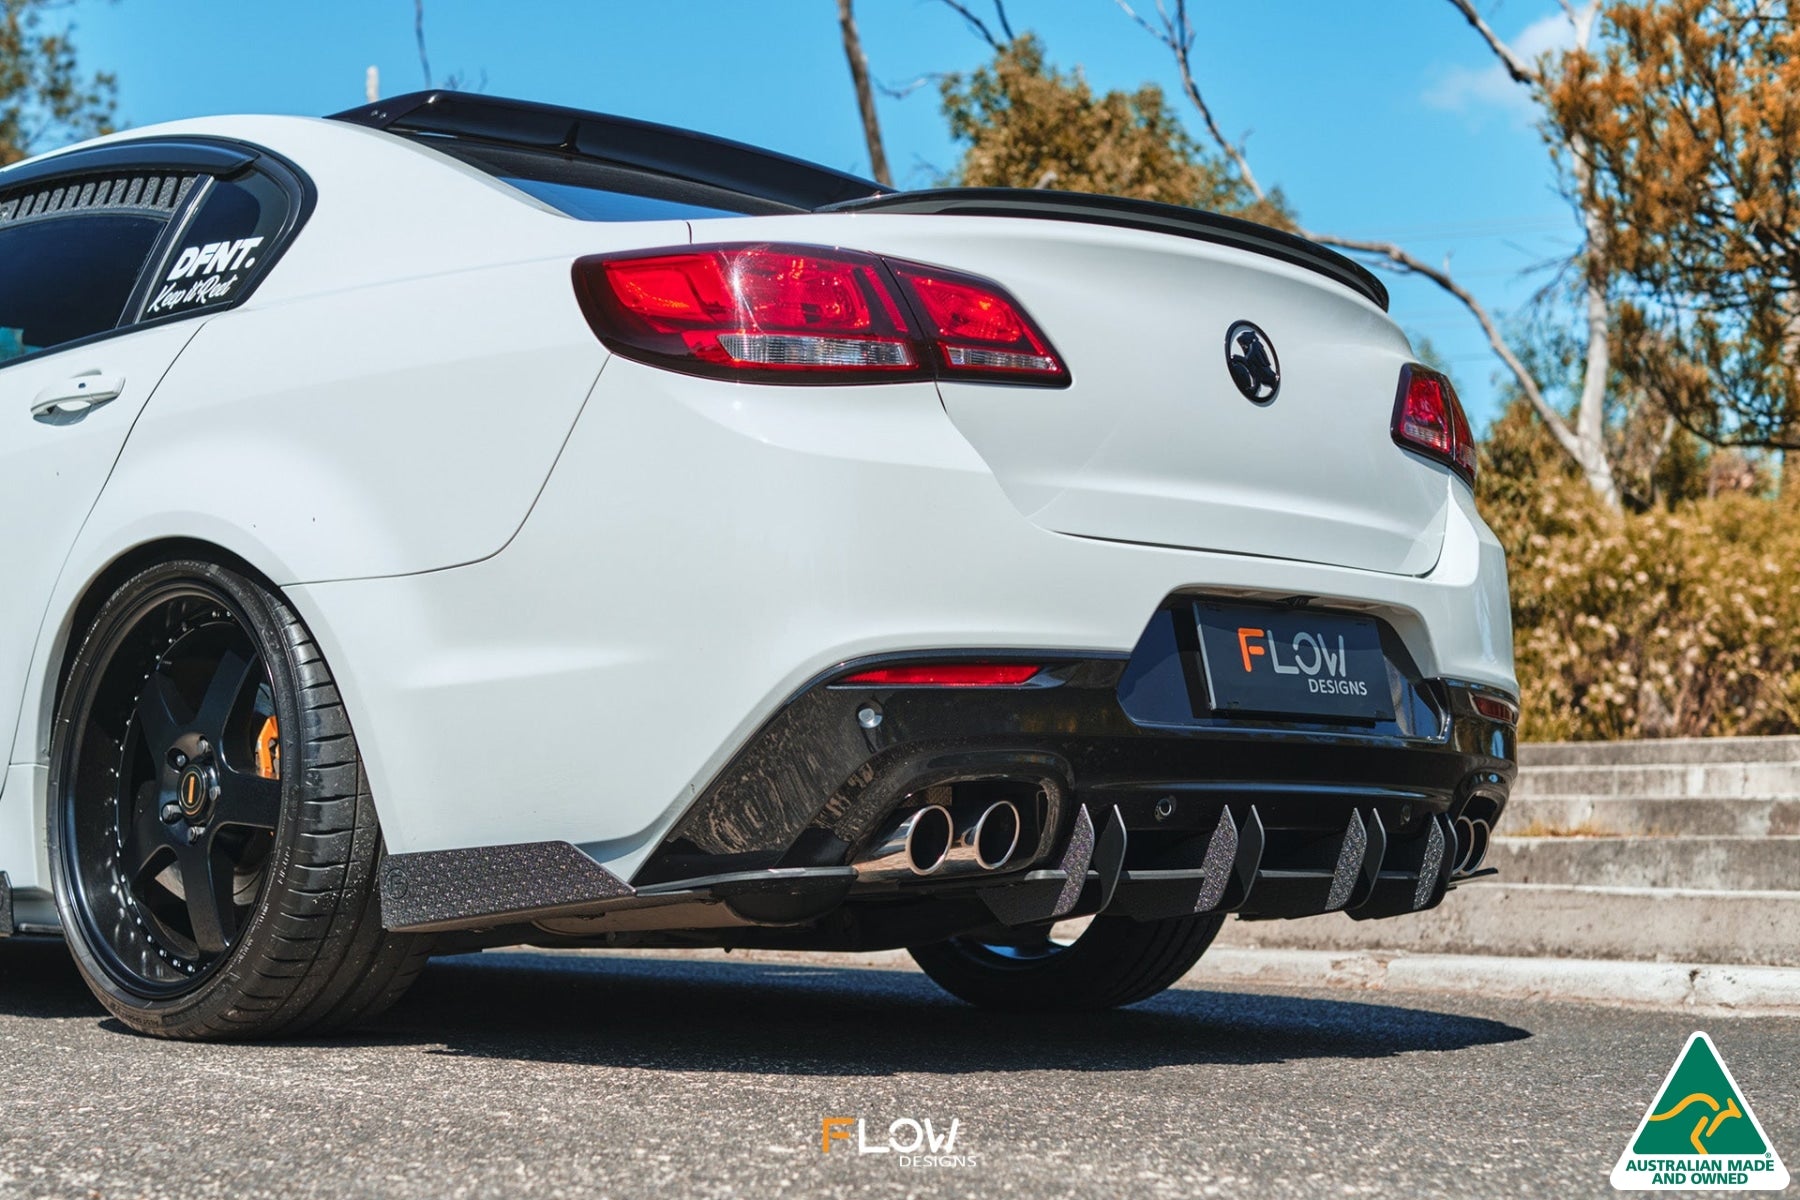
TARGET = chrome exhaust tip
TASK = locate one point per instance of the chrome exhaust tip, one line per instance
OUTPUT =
(1479, 833)
(1471, 844)
(919, 845)
(989, 842)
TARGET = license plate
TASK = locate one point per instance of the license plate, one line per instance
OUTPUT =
(1293, 663)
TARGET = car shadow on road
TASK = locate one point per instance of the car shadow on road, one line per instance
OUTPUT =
(709, 1015)
(38, 979)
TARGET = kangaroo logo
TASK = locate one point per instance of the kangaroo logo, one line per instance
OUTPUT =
(1710, 1120)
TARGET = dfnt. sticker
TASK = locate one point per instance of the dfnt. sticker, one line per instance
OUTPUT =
(217, 264)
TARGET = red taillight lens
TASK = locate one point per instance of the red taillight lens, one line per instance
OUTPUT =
(746, 310)
(808, 314)
(977, 329)
(1429, 418)
(1496, 709)
(1465, 438)
(946, 675)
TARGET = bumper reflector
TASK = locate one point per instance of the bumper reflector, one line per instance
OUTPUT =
(946, 675)
(1496, 709)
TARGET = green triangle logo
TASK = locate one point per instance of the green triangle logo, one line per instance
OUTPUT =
(1700, 1132)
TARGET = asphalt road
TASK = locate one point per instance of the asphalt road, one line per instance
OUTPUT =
(540, 1075)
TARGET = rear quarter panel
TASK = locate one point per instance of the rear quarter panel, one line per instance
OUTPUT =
(389, 401)
(393, 396)
(385, 430)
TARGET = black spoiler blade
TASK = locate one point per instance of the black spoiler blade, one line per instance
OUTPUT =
(1131, 214)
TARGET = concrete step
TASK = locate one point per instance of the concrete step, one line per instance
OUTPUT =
(1652, 816)
(1685, 751)
(1714, 780)
(1696, 989)
(1730, 864)
(1642, 924)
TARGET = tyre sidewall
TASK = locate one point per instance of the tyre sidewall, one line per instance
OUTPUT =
(1116, 961)
(213, 998)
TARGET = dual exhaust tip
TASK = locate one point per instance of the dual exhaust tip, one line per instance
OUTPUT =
(932, 841)
(1471, 844)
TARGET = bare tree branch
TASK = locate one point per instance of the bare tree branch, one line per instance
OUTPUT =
(1176, 32)
(1000, 16)
(865, 95)
(1581, 18)
(1590, 407)
(419, 35)
(978, 26)
(1515, 64)
(1404, 261)
(901, 91)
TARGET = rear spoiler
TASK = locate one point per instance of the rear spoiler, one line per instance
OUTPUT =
(748, 170)
(619, 141)
(1130, 214)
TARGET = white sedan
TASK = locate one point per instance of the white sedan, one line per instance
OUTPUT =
(464, 522)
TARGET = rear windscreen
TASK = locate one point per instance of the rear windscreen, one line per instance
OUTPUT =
(597, 191)
(599, 204)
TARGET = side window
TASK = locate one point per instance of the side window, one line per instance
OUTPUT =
(71, 254)
(224, 249)
(68, 278)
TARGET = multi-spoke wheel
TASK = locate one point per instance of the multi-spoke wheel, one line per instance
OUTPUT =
(175, 857)
(1114, 961)
(212, 836)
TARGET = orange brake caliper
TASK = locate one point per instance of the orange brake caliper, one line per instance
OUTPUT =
(268, 750)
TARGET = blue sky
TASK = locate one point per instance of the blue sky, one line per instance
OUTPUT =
(1378, 118)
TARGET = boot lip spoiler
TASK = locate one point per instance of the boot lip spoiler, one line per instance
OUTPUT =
(1195, 223)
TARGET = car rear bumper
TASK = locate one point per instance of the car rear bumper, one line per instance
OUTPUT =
(1145, 819)
(702, 553)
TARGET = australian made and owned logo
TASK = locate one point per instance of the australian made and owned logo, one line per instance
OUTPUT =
(1700, 1133)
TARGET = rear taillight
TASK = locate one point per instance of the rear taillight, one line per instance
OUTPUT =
(750, 310)
(1428, 418)
(809, 314)
(977, 329)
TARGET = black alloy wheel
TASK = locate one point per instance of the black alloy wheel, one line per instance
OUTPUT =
(173, 859)
(208, 810)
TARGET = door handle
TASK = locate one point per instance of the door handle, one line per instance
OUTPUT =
(77, 394)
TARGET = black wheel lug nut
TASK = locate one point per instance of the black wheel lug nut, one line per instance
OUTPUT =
(195, 833)
(180, 760)
(171, 812)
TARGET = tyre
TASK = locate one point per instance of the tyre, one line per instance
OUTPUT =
(1115, 961)
(212, 838)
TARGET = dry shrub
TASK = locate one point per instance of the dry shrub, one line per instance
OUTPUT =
(1679, 621)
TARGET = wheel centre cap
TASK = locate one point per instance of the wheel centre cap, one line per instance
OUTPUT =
(194, 791)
